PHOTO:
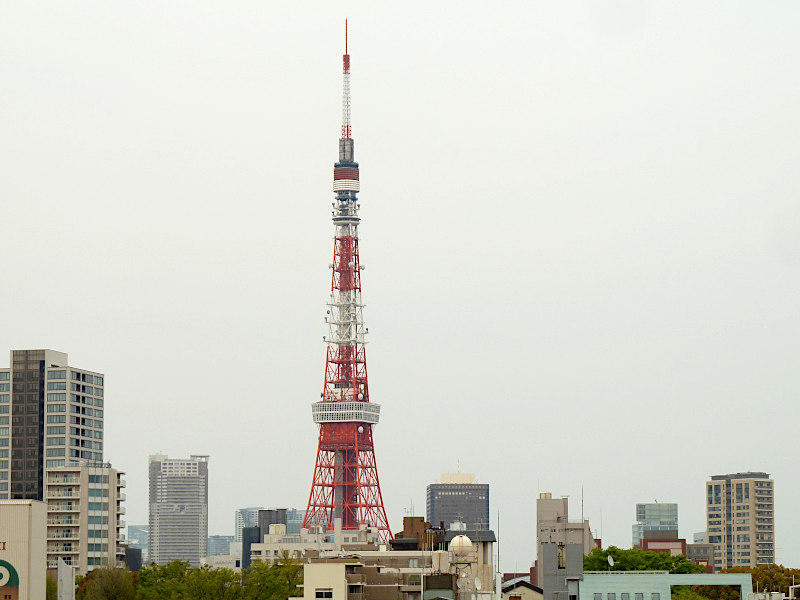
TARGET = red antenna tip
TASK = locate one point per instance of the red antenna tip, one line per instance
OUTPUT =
(345, 36)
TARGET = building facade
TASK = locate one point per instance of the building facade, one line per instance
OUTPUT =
(245, 517)
(654, 516)
(740, 519)
(22, 549)
(458, 498)
(84, 516)
(50, 413)
(219, 545)
(178, 509)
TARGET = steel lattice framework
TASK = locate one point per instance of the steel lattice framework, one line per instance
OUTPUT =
(346, 481)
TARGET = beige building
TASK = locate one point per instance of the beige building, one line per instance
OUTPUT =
(554, 525)
(402, 574)
(740, 519)
(22, 549)
(84, 515)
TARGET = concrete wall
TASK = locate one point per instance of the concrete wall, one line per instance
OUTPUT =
(23, 548)
(648, 583)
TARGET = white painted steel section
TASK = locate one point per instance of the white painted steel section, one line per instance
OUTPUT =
(344, 412)
(346, 185)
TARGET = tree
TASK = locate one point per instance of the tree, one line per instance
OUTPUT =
(772, 578)
(106, 584)
(637, 559)
(162, 582)
(213, 584)
(276, 581)
(51, 588)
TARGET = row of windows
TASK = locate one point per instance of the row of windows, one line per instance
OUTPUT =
(57, 385)
(85, 377)
(5, 387)
(4, 375)
(4, 398)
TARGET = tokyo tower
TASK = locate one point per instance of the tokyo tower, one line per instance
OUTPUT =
(345, 481)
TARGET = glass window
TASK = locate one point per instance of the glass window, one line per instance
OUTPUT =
(57, 375)
(54, 408)
(56, 418)
(655, 596)
(4, 375)
(611, 596)
(638, 596)
(55, 452)
(56, 397)
(320, 593)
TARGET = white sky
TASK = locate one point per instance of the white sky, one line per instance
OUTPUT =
(580, 226)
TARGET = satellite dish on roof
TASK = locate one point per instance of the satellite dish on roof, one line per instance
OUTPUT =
(610, 561)
(478, 583)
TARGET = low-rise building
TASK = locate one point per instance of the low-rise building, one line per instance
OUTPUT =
(652, 585)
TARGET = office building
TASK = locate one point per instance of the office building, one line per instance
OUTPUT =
(84, 516)
(294, 520)
(22, 549)
(56, 414)
(654, 516)
(245, 517)
(219, 545)
(138, 538)
(458, 498)
(740, 519)
(178, 509)
(558, 536)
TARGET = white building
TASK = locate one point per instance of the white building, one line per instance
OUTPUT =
(178, 509)
(58, 417)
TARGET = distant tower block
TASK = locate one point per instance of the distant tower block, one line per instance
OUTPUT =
(345, 484)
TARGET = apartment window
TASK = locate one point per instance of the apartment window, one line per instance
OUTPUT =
(655, 596)
(321, 593)
(56, 441)
(4, 398)
(57, 374)
(638, 596)
(95, 506)
(55, 452)
(598, 596)
(54, 463)
(55, 408)
(4, 376)
(611, 596)
(5, 387)
(56, 430)
(56, 418)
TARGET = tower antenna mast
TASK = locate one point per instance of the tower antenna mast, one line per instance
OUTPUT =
(345, 484)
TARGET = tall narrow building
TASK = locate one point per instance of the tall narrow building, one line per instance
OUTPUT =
(740, 519)
(56, 416)
(345, 485)
(178, 509)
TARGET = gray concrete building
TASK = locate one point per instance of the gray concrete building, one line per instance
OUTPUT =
(50, 413)
(458, 498)
(178, 509)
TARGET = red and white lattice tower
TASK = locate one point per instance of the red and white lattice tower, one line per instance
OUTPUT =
(346, 482)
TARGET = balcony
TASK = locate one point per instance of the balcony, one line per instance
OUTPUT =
(121, 497)
(62, 549)
(120, 510)
(120, 523)
(62, 535)
(122, 482)
(61, 521)
(53, 564)
(56, 479)
(62, 494)
(63, 507)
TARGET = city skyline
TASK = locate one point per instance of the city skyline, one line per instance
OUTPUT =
(167, 175)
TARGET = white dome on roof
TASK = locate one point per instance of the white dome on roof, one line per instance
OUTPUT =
(460, 545)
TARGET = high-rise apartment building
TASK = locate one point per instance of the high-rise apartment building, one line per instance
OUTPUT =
(178, 509)
(50, 413)
(740, 519)
(654, 516)
(245, 517)
(458, 498)
(84, 515)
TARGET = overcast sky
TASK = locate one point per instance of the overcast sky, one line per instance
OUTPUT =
(579, 223)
